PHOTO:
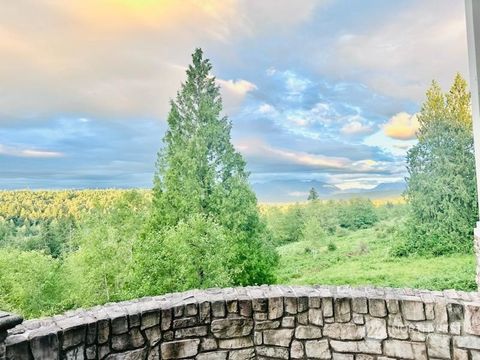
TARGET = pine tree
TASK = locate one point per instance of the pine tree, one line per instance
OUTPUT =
(312, 194)
(441, 182)
(199, 174)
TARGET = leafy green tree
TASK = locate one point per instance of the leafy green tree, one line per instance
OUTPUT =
(357, 214)
(312, 194)
(101, 270)
(199, 172)
(29, 283)
(195, 253)
(441, 188)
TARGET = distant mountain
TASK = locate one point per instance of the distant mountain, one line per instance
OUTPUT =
(281, 191)
(287, 191)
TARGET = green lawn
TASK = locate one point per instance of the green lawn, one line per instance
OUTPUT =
(362, 258)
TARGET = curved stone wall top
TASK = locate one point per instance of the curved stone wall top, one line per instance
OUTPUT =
(266, 322)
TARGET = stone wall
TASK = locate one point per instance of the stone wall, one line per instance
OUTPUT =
(276, 322)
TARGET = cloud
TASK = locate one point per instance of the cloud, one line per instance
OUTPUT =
(112, 58)
(234, 92)
(28, 153)
(402, 126)
(355, 128)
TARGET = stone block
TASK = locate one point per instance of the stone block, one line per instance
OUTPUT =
(359, 305)
(213, 355)
(232, 306)
(119, 325)
(166, 319)
(231, 327)
(413, 310)
(302, 318)
(342, 310)
(393, 306)
(272, 352)
(196, 331)
(315, 317)
(191, 310)
(179, 349)
(460, 354)
(245, 307)
(308, 332)
(342, 331)
(291, 306)
(317, 349)
(472, 319)
(73, 336)
(150, 319)
(184, 322)
(275, 308)
(441, 317)
(266, 325)
(314, 302)
(288, 322)
(376, 328)
(405, 349)
(153, 335)
(327, 306)
(218, 309)
(296, 350)
(302, 304)
(357, 347)
(438, 346)
(340, 356)
(75, 353)
(138, 354)
(235, 343)
(467, 342)
(260, 305)
(208, 344)
(45, 347)
(281, 337)
(244, 354)
(377, 307)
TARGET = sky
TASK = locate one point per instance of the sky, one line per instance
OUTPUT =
(318, 90)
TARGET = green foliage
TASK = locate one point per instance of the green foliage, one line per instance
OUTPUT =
(357, 214)
(29, 282)
(331, 246)
(441, 184)
(195, 253)
(38, 205)
(199, 173)
(316, 219)
(360, 258)
(101, 269)
(285, 225)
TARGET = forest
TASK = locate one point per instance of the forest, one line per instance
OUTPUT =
(200, 225)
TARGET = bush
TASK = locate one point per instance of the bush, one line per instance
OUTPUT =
(357, 214)
(331, 246)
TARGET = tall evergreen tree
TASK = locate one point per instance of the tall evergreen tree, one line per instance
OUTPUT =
(441, 182)
(312, 194)
(200, 174)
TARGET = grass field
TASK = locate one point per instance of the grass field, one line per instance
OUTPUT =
(363, 257)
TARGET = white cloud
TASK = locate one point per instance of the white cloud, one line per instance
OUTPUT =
(266, 109)
(402, 126)
(28, 153)
(355, 128)
(234, 92)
